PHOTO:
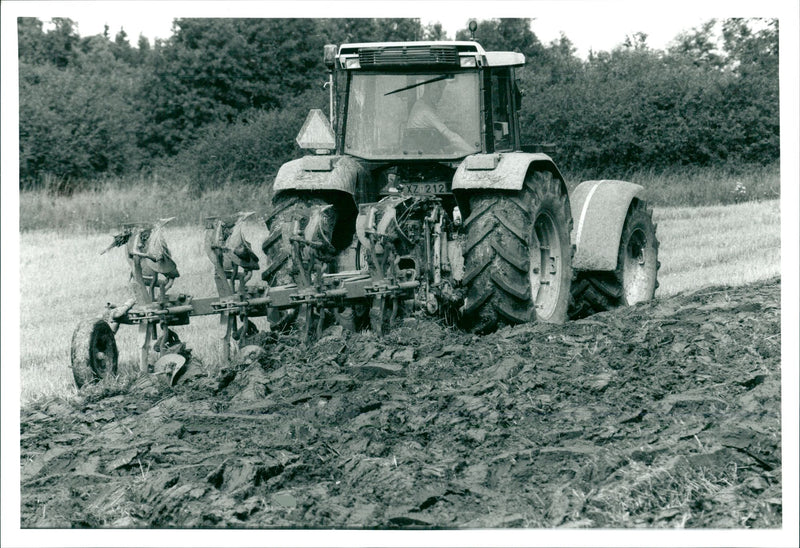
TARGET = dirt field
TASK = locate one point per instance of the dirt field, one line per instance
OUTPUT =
(659, 415)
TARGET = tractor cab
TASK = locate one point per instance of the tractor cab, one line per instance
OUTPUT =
(423, 100)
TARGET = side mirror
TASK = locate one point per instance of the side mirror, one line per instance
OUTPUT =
(330, 55)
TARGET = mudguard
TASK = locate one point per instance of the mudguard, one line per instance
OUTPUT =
(500, 171)
(599, 209)
(342, 173)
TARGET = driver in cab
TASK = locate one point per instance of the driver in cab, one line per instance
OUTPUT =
(424, 116)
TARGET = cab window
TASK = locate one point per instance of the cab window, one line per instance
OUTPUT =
(501, 109)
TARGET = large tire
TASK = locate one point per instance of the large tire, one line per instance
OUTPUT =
(636, 276)
(93, 352)
(280, 268)
(518, 256)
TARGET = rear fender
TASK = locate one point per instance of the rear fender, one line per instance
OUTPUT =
(600, 208)
(501, 171)
(342, 173)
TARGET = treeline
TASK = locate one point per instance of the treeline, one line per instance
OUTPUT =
(222, 99)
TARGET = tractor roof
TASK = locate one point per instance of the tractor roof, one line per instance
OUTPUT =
(492, 58)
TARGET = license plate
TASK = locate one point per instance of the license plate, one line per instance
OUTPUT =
(425, 188)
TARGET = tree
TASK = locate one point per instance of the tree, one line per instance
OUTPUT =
(434, 32)
(31, 41)
(122, 48)
(345, 30)
(77, 123)
(753, 97)
(251, 149)
(751, 51)
(637, 40)
(233, 93)
(143, 50)
(560, 62)
(341, 31)
(699, 46)
(398, 30)
(57, 46)
(211, 69)
(61, 42)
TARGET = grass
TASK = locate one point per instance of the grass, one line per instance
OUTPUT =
(692, 186)
(144, 199)
(718, 245)
(63, 278)
(118, 201)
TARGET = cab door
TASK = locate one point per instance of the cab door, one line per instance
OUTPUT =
(501, 128)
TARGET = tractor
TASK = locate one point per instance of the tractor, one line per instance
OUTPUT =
(415, 194)
(422, 173)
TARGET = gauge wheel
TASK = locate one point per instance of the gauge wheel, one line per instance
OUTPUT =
(93, 352)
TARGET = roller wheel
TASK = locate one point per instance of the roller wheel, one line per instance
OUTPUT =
(93, 352)
(636, 277)
(280, 269)
(518, 256)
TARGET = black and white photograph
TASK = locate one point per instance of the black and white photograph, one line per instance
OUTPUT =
(400, 274)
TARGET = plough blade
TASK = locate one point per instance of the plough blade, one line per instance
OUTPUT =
(316, 292)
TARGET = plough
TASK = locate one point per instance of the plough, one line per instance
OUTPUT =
(156, 311)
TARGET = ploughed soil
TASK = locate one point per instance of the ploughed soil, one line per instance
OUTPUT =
(665, 414)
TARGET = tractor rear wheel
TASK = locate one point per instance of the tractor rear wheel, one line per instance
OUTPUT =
(280, 267)
(518, 256)
(93, 352)
(636, 277)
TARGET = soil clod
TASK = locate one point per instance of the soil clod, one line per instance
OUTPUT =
(665, 414)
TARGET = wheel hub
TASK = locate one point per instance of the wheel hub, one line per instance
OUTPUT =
(636, 279)
(545, 265)
(101, 358)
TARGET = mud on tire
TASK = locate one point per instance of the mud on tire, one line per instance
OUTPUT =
(93, 352)
(280, 266)
(518, 255)
(636, 276)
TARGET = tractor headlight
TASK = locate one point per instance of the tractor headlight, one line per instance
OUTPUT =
(352, 63)
(468, 61)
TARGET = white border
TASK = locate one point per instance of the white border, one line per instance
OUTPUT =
(789, 13)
